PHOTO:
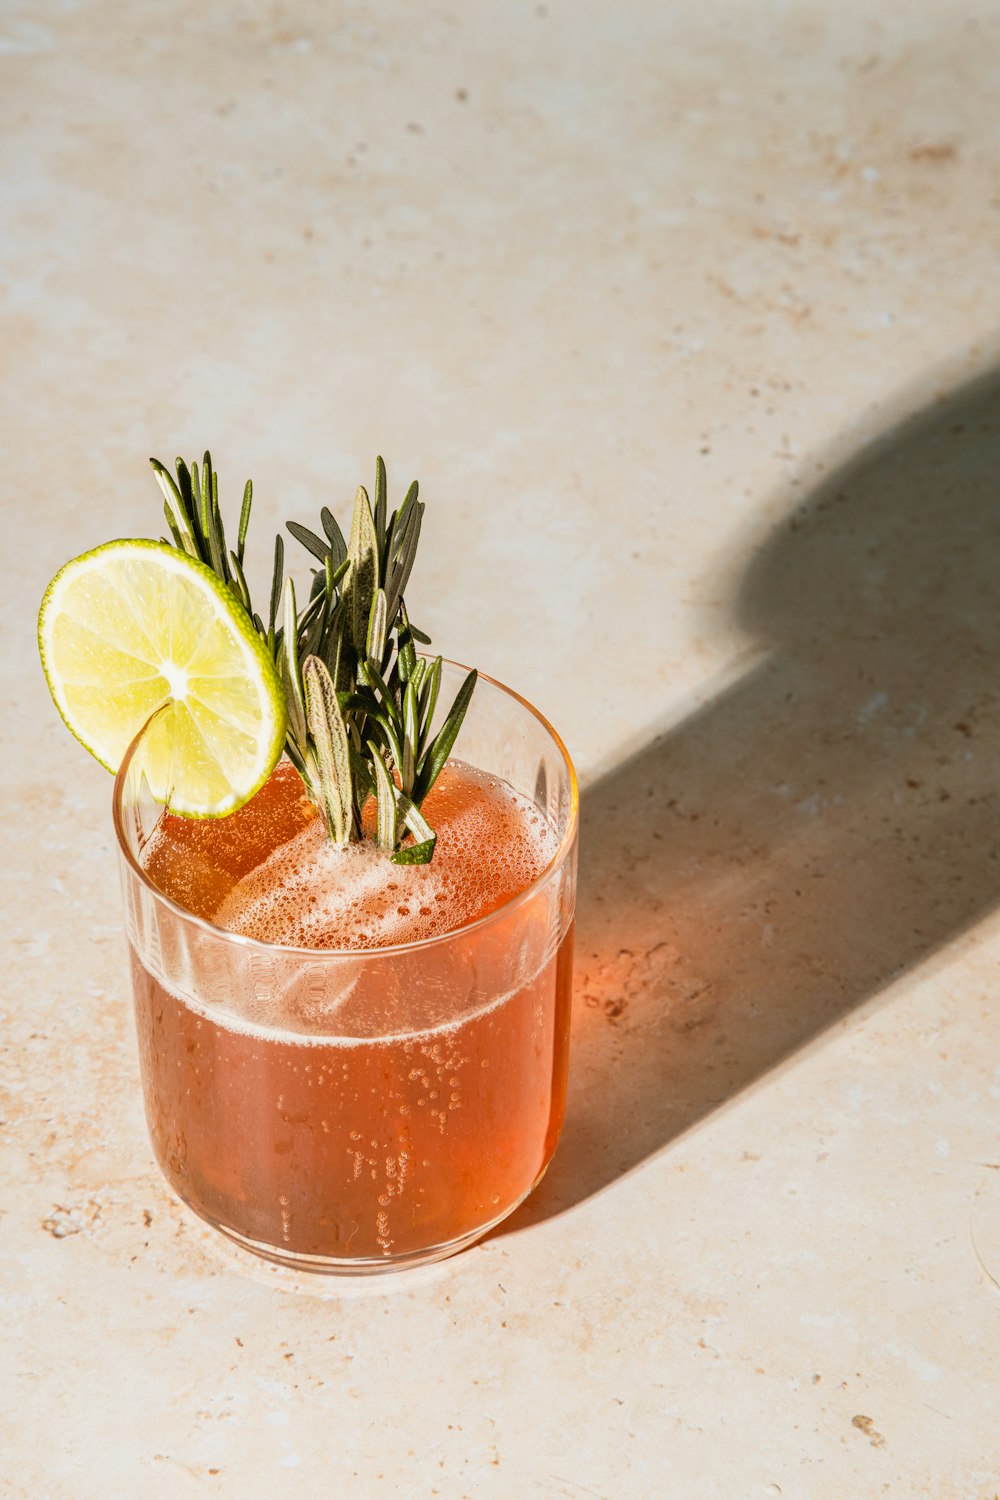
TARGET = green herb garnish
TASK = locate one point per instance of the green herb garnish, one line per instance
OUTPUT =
(360, 700)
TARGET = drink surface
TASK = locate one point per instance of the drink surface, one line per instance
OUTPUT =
(364, 1105)
(269, 871)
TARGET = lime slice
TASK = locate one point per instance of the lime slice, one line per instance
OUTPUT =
(136, 624)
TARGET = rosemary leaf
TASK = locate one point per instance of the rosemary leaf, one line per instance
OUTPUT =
(166, 481)
(175, 531)
(413, 818)
(406, 652)
(364, 782)
(399, 527)
(407, 552)
(421, 851)
(315, 544)
(379, 724)
(311, 624)
(334, 654)
(329, 735)
(377, 622)
(187, 497)
(238, 583)
(197, 511)
(362, 575)
(416, 854)
(175, 510)
(296, 756)
(313, 607)
(428, 700)
(329, 600)
(362, 701)
(338, 546)
(209, 520)
(206, 482)
(241, 538)
(385, 794)
(410, 738)
(276, 580)
(289, 663)
(371, 675)
(436, 754)
(381, 500)
(217, 525)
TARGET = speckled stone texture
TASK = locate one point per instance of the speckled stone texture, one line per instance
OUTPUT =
(686, 317)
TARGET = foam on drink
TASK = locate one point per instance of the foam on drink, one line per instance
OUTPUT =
(276, 876)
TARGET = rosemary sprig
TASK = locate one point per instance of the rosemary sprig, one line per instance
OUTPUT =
(361, 702)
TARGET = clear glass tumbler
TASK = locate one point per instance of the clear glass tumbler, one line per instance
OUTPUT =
(348, 1111)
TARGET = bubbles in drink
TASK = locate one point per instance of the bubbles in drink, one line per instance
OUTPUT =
(270, 872)
(412, 1092)
(308, 893)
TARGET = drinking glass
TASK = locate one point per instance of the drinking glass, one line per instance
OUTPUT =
(361, 1111)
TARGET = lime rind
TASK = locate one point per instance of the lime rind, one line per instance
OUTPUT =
(118, 629)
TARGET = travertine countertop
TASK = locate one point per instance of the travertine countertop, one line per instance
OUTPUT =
(688, 319)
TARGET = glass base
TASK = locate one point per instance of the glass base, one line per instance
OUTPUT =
(329, 1265)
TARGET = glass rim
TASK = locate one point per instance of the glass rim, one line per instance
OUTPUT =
(389, 950)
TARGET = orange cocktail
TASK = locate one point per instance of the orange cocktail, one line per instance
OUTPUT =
(347, 1064)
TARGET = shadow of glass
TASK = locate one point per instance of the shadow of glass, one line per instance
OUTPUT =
(825, 824)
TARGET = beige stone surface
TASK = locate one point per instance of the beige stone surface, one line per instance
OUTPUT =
(687, 318)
